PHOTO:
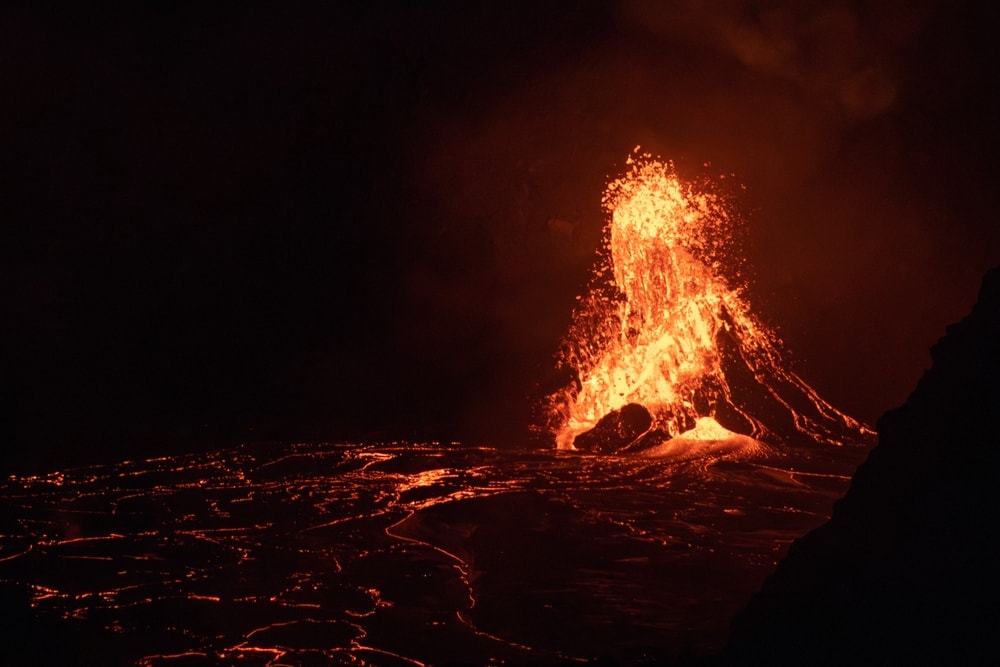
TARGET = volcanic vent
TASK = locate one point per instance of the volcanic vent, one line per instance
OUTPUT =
(665, 325)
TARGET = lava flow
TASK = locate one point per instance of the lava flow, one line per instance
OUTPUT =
(666, 325)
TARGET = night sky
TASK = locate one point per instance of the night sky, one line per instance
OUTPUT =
(235, 224)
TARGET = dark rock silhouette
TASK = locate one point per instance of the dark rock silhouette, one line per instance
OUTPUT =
(906, 571)
(616, 431)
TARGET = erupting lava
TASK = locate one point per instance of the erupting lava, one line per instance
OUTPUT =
(665, 325)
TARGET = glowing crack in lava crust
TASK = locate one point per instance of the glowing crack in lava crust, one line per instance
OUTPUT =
(665, 324)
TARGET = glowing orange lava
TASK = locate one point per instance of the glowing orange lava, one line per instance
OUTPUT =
(670, 328)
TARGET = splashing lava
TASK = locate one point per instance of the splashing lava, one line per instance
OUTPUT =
(666, 325)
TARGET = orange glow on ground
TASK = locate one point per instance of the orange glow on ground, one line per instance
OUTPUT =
(707, 438)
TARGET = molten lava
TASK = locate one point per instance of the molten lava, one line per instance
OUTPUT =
(666, 325)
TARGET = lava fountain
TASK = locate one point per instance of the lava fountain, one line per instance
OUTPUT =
(665, 324)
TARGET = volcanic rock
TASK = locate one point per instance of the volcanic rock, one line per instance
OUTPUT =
(648, 440)
(905, 572)
(616, 431)
(770, 403)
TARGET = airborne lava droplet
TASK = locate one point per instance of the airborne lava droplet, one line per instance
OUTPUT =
(665, 324)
